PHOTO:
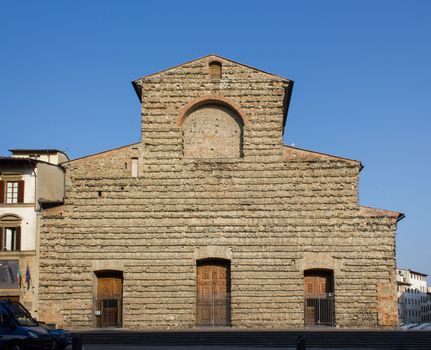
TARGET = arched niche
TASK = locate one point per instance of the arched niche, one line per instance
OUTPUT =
(212, 130)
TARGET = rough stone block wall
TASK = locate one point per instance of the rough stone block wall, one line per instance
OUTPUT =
(273, 213)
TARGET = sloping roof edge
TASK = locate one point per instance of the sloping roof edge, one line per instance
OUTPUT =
(99, 153)
(29, 161)
(38, 150)
(20, 160)
(215, 56)
(417, 273)
(412, 271)
(368, 211)
(303, 151)
(288, 88)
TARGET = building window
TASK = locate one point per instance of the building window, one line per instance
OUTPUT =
(10, 238)
(134, 167)
(11, 191)
(9, 276)
(10, 232)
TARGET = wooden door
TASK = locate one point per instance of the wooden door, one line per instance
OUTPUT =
(316, 285)
(213, 294)
(109, 292)
(319, 301)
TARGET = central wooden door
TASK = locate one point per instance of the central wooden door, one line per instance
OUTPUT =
(109, 299)
(319, 298)
(213, 293)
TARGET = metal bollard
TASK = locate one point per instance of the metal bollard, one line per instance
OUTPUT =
(300, 343)
(76, 342)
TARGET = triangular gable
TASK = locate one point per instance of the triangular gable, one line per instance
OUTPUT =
(203, 61)
(249, 73)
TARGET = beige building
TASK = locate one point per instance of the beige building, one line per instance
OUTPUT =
(211, 220)
(427, 316)
(29, 181)
(413, 298)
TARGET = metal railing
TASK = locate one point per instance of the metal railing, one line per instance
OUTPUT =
(214, 310)
(319, 310)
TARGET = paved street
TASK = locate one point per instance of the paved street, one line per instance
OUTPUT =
(231, 339)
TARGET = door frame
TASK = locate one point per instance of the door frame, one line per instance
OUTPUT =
(321, 304)
(227, 300)
(97, 301)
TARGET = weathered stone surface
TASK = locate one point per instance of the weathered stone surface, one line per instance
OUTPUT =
(274, 212)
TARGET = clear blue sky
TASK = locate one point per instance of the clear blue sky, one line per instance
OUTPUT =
(362, 72)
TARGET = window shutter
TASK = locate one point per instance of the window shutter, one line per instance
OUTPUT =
(21, 191)
(1, 238)
(18, 238)
(2, 184)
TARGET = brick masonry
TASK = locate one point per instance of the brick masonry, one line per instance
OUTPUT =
(274, 212)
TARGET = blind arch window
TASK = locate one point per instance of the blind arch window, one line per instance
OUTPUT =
(213, 131)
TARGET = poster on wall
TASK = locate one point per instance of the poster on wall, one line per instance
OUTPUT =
(9, 271)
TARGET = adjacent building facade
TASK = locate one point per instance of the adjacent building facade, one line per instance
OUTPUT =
(211, 220)
(29, 180)
(428, 306)
(414, 301)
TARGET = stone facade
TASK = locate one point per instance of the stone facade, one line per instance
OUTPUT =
(226, 189)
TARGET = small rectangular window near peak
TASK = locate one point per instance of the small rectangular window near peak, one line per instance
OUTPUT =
(134, 167)
(215, 69)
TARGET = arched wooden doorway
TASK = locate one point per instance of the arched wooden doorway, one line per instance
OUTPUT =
(109, 300)
(213, 293)
(319, 301)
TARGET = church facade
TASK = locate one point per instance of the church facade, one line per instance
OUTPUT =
(212, 221)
